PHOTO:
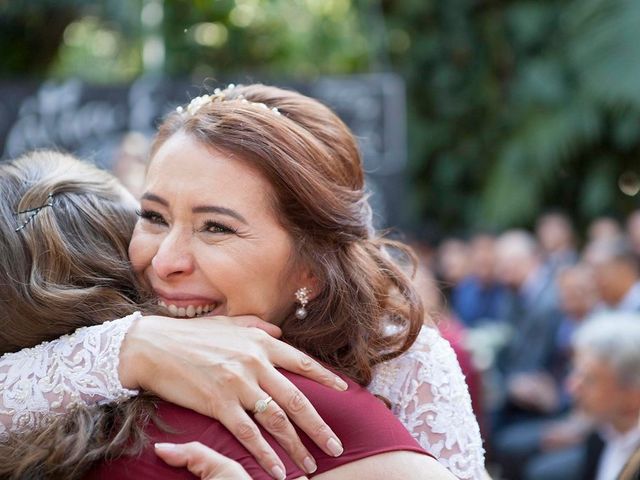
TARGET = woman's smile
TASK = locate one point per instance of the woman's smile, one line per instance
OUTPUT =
(213, 247)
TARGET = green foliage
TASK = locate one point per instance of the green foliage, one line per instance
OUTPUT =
(514, 106)
(41, 38)
(273, 37)
(519, 106)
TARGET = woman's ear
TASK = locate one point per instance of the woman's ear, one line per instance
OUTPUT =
(311, 281)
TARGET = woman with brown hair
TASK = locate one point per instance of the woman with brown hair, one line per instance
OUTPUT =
(66, 228)
(255, 194)
(70, 255)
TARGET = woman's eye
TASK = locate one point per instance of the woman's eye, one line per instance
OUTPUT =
(217, 227)
(151, 216)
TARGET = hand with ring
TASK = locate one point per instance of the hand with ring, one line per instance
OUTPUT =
(225, 367)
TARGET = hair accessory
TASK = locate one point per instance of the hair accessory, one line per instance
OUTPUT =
(302, 296)
(219, 95)
(262, 405)
(33, 211)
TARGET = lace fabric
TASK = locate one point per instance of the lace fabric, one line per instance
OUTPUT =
(82, 368)
(425, 386)
(429, 395)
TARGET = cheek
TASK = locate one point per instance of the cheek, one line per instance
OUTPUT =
(141, 250)
(257, 284)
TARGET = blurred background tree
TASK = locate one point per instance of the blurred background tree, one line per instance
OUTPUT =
(520, 106)
(514, 106)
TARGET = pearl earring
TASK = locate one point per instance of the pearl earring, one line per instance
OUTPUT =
(302, 296)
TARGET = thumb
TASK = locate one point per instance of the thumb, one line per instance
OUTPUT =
(200, 460)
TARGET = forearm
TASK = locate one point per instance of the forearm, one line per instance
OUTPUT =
(47, 379)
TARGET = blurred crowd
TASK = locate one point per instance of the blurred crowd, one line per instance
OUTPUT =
(513, 305)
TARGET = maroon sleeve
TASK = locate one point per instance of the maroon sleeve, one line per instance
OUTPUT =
(363, 423)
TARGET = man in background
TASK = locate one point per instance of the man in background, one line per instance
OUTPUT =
(605, 385)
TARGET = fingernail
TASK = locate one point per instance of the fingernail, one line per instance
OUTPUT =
(341, 384)
(165, 446)
(334, 447)
(278, 473)
(309, 465)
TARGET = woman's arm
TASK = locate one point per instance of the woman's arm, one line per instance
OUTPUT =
(220, 367)
(212, 365)
(81, 368)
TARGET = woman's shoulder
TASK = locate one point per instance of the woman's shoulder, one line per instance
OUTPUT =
(428, 393)
(430, 355)
(354, 415)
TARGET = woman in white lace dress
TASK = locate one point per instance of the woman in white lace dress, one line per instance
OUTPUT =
(424, 385)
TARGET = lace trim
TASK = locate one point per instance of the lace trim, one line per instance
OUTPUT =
(430, 397)
(82, 368)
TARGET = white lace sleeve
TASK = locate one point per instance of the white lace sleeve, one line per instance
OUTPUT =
(40, 382)
(430, 397)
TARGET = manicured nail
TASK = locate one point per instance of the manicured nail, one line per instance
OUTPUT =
(165, 446)
(309, 465)
(278, 473)
(341, 384)
(334, 447)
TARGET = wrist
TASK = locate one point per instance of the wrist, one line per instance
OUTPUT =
(132, 355)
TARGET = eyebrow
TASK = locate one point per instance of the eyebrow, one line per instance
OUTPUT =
(152, 197)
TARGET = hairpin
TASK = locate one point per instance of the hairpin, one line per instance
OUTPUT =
(34, 211)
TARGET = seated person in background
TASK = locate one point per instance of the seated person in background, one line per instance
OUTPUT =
(604, 228)
(617, 273)
(560, 427)
(557, 240)
(605, 384)
(478, 297)
(532, 313)
(451, 264)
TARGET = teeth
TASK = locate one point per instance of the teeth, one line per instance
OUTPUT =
(188, 311)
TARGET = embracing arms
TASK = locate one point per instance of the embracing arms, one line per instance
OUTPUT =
(217, 366)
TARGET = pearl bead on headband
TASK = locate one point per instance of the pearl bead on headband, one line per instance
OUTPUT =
(218, 95)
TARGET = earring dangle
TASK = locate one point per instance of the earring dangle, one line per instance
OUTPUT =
(302, 296)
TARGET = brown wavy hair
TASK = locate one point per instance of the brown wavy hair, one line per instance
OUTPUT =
(367, 310)
(67, 268)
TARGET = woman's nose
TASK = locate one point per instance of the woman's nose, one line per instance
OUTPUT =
(174, 256)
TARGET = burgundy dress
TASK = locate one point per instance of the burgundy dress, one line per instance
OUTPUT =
(362, 422)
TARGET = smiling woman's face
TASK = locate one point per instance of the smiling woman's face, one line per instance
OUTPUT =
(208, 239)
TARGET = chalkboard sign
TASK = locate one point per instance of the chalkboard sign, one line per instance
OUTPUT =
(95, 122)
